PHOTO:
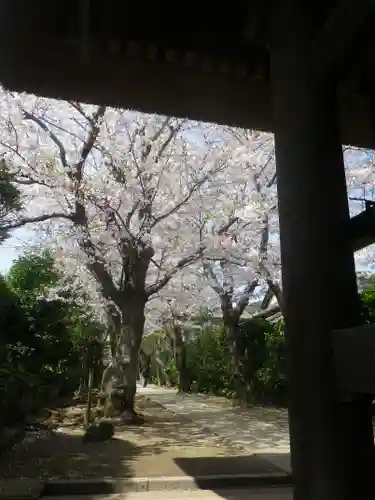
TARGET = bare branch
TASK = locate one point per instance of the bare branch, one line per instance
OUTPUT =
(29, 182)
(173, 131)
(226, 296)
(181, 203)
(55, 139)
(134, 157)
(66, 131)
(251, 286)
(116, 212)
(77, 106)
(158, 266)
(16, 152)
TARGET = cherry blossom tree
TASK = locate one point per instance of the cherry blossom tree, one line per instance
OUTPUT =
(117, 191)
(172, 312)
(244, 262)
(360, 170)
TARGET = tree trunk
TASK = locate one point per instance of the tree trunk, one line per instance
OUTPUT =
(98, 373)
(89, 397)
(129, 342)
(158, 380)
(180, 350)
(125, 388)
(84, 377)
(232, 332)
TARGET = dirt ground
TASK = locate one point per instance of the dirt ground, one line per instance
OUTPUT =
(165, 445)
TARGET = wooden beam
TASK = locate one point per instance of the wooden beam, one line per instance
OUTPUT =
(155, 87)
(354, 351)
(362, 229)
(85, 31)
(329, 46)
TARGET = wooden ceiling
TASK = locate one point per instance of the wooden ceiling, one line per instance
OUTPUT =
(206, 63)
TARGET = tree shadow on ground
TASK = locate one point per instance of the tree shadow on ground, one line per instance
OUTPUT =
(62, 456)
(59, 455)
(54, 448)
(165, 445)
(247, 464)
(177, 433)
(256, 428)
(237, 466)
(146, 450)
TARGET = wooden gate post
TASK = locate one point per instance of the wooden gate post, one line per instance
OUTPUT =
(331, 439)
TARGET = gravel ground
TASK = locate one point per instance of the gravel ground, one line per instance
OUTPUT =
(165, 445)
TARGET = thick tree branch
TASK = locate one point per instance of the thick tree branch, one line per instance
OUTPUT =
(277, 292)
(267, 313)
(88, 145)
(211, 277)
(272, 181)
(96, 266)
(228, 281)
(264, 239)
(226, 296)
(40, 218)
(184, 262)
(267, 299)
(103, 277)
(131, 213)
(223, 229)
(226, 302)
(251, 286)
(244, 300)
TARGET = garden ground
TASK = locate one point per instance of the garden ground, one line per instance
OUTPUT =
(167, 444)
(261, 431)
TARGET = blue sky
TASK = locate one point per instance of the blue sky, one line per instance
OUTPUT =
(13, 247)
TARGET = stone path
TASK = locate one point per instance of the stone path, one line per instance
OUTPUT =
(259, 430)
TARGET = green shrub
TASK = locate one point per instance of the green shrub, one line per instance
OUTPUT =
(262, 350)
(42, 341)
